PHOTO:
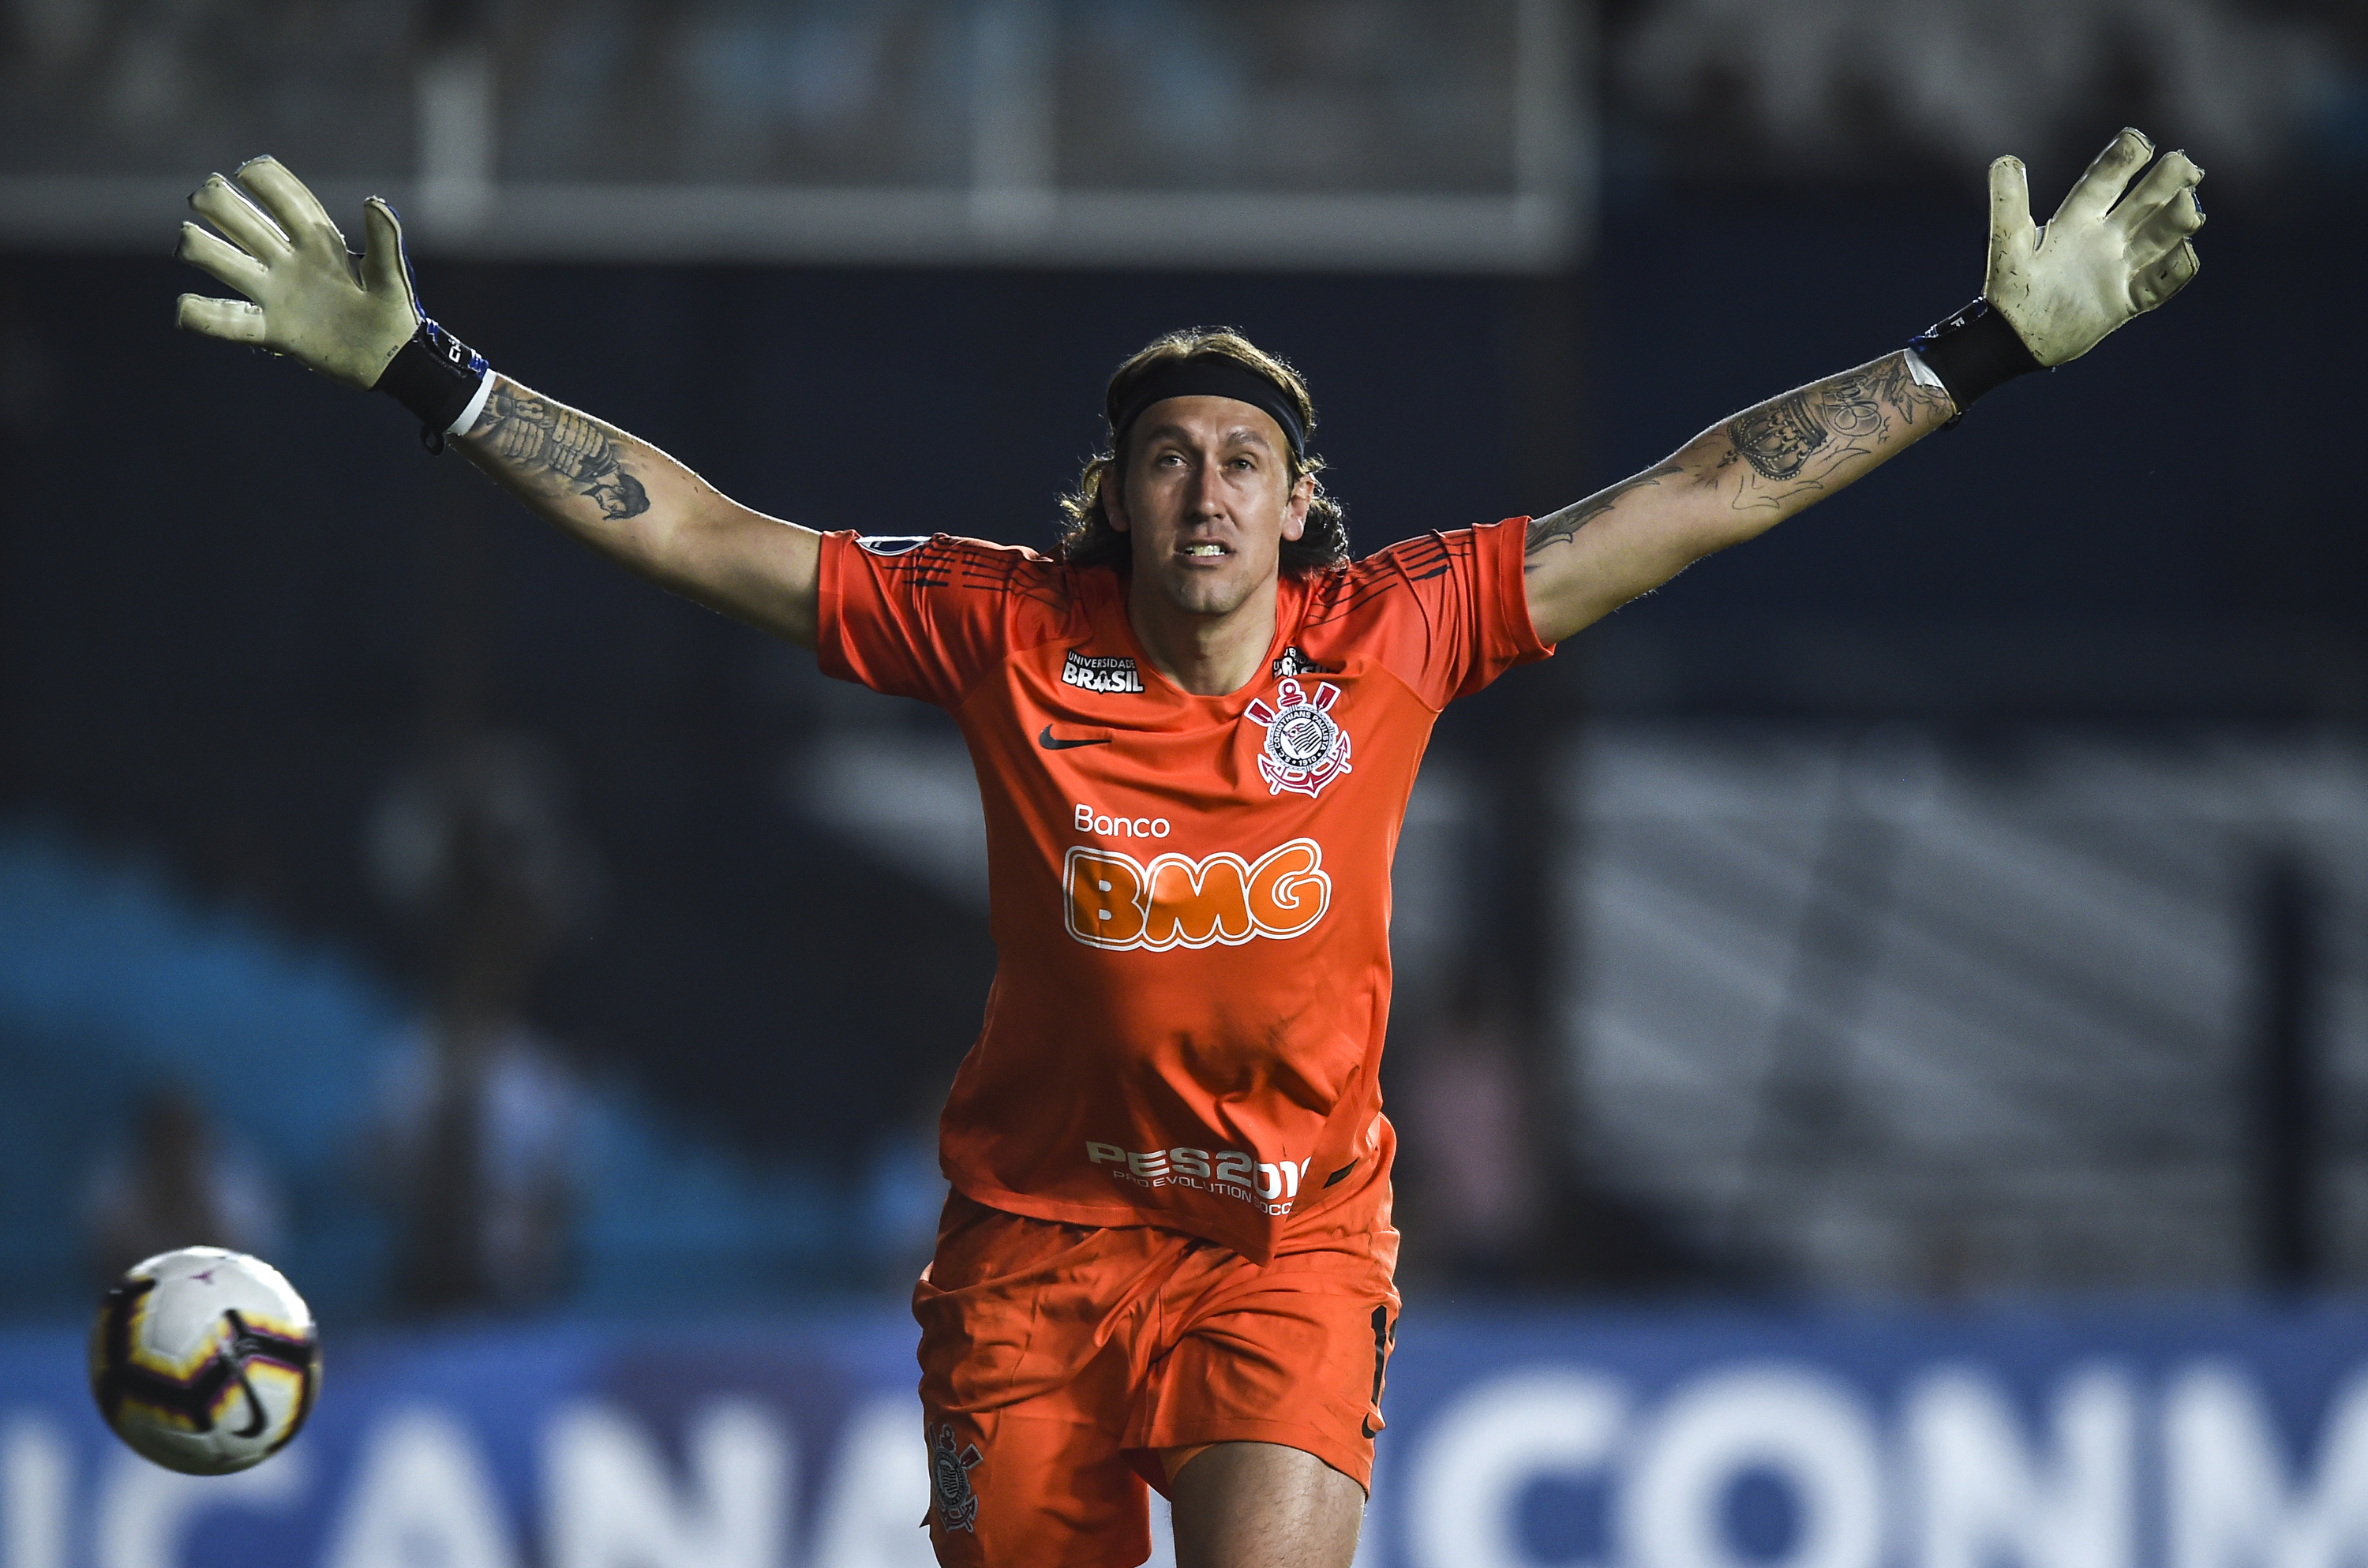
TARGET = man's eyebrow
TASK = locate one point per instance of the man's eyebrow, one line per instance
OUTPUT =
(1167, 430)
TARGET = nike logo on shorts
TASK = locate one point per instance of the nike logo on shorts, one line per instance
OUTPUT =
(1048, 744)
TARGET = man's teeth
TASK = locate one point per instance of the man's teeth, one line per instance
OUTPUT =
(1205, 550)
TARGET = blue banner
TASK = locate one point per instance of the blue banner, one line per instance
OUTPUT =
(2137, 1438)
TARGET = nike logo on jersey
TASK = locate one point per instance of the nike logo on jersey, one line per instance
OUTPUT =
(1048, 744)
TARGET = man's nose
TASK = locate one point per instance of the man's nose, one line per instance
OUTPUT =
(1206, 496)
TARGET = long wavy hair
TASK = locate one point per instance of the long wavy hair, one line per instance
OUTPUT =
(1086, 537)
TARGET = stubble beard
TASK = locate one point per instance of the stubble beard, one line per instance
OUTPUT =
(1203, 597)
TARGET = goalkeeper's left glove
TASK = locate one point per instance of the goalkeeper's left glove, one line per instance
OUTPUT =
(354, 319)
(2052, 294)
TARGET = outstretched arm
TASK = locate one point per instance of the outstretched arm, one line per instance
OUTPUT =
(2111, 252)
(644, 509)
(1731, 483)
(357, 319)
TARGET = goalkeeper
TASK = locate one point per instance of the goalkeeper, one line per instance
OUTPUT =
(1167, 1256)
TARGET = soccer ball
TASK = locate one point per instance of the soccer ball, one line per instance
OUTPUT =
(204, 1360)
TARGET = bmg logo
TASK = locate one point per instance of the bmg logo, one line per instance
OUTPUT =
(1115, 900)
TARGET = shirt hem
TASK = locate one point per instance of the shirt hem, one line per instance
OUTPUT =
(1099, 1216)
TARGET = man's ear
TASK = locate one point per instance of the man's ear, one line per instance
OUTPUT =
(1294, 510)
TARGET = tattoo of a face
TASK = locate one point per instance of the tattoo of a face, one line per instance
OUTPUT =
(559, 442)
(1557, 526)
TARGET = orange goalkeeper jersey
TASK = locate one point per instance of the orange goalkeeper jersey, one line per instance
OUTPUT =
(1190, 895)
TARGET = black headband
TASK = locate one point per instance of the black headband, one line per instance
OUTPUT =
(1213, 375)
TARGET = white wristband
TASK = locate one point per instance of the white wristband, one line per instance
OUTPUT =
(467, 419)
(1915, 367)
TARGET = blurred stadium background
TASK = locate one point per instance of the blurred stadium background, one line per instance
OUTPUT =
(1882, 1045)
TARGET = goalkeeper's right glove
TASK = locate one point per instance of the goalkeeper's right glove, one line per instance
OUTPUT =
(354, 319)
(2051, 294)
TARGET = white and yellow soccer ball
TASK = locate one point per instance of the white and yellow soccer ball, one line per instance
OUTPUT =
(204, 1360)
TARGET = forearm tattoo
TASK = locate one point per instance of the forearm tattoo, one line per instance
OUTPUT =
(1800, 443)
(1779, 438)
(1781, 454)
(1559, 528)
(548, 444)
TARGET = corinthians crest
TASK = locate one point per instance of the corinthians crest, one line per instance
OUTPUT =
(950, 1475)
(1305, 749)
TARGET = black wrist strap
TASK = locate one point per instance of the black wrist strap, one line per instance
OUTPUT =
(1975, 351)
(435, 376)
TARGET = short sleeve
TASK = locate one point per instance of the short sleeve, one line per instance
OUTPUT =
(1454, 610)
(927, 616)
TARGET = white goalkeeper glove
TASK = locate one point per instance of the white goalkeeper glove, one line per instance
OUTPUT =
(2103, 259)
(354, 319)
(2052, 294)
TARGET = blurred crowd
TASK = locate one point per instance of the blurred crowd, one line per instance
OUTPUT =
(1337, 95)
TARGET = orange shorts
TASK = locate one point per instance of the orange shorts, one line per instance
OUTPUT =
(1059, 1361)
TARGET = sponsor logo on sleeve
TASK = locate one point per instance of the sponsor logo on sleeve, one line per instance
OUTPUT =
(1109, 677)
(893, 544)
(1305, 749)
(1270, 1186)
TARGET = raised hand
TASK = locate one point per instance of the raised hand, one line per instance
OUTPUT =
(2105, 256)
(307, 296)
